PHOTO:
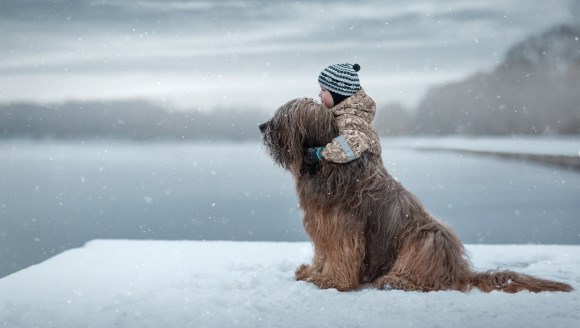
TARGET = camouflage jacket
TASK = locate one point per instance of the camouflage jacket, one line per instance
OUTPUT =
(357, 135)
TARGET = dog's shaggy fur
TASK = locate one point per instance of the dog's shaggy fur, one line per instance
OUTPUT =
(365, 226)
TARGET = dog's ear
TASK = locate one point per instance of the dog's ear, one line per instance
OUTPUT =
(320, 126)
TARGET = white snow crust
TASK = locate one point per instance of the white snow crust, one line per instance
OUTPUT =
(118, 283)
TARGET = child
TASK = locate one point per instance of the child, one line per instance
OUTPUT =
(340, 91)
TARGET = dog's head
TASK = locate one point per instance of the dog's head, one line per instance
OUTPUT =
(299, 124)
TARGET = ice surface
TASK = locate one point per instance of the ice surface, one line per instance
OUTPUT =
(544, 145)
(116, 283)
(56, 196)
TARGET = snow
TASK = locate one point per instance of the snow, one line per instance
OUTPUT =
(119, 283)
(544, 145)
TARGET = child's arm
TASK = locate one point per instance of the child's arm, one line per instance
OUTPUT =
(348, 146)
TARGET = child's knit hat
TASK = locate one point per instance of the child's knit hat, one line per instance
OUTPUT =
(341, 80)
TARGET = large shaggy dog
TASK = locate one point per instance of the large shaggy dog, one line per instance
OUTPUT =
(365, 226)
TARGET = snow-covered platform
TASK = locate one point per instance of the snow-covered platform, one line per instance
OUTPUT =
(249, 284)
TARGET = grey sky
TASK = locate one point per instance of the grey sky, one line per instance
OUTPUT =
(252, 53)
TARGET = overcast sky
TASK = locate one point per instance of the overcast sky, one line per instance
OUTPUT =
(207, 54)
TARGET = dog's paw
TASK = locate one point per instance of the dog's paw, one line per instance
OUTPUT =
(303, 272)
(383, 284)
(325, 282)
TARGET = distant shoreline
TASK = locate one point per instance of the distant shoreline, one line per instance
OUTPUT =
(569, 162)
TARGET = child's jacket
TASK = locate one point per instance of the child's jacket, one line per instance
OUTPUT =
(357, 135)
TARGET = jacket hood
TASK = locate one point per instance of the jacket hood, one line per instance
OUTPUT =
(358, 104)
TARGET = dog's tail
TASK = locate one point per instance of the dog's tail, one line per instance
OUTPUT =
(513, 282)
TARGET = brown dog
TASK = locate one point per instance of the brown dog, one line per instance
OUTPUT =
(365, 226)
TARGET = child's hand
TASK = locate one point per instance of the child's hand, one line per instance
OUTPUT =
(313, 156)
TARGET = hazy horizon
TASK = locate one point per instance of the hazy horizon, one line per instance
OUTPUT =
(252, 54)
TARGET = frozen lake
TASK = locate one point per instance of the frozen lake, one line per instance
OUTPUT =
(56, 196)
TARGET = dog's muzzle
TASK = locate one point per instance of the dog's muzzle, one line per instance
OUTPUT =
(263, 127)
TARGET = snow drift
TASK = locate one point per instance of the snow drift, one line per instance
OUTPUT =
(226, 284)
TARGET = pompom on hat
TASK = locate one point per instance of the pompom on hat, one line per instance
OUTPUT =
(341, 79)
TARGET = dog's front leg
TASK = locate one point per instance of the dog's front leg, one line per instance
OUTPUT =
(343, 265)
(338, 250)
(337, 275)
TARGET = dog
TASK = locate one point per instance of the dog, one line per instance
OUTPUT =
(366, 228)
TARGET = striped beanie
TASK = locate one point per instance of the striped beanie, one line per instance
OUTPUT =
(340, 79)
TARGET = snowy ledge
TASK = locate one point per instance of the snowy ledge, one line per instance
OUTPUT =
(110, 283)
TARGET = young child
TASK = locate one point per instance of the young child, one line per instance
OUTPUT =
(340, 91)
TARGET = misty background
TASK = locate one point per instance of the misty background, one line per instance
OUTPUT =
(433, 67)
(138, 119)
